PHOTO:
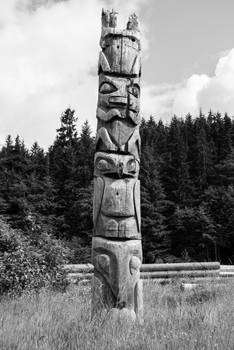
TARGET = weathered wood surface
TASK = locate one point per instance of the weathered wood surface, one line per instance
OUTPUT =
(116, 243)
(179, 273)
(116, 207)
(116, 275)
(78, 268)
(74, 277)
(160, 267)
(181, 266)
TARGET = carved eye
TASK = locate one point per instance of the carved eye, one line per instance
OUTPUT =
(107, 88)
(102, 164)
(135, 91)
(134, 264)
(131, 166)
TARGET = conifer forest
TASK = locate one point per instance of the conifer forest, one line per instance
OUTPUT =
(187, 192)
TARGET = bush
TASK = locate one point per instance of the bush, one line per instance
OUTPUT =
(30, 261)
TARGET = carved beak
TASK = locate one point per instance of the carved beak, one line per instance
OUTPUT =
(120, 169)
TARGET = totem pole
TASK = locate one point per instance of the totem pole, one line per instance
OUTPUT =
(116, 245)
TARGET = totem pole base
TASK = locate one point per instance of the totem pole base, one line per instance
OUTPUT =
(116, 285)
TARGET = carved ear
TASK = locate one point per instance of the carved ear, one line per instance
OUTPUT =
(103, 64)
(103, 141)
(137, 204)
(103, 261)
(134, 265)
(99, 186)
(134, 144)
(136, 66)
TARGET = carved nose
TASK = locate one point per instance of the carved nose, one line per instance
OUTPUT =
(118, 100)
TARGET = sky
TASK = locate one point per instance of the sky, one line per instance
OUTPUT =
(49, 53)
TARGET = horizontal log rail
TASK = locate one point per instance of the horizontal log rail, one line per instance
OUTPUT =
(88, 268)
(203, 271)
(198, 270)
(180, 274)
(181, 266)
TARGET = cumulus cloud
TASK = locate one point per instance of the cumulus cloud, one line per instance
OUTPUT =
(157, 100)
(197, 92)
(48, 61)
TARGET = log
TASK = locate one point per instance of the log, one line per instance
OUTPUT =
(227, 273)
(158, 267)
(159, 275)
(78, 268)
(179, 274)
(181, 266)
(227, 268)
(79, 276)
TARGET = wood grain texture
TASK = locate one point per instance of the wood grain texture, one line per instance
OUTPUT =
(116, 247)
(116, 274)
(116, 208)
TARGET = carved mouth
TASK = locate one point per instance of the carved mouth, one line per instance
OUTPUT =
(118, 101)
(117, 216)
(133, 110)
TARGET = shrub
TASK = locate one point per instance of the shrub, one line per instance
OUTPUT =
(30, 260)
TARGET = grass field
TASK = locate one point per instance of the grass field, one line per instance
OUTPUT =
(174, 319)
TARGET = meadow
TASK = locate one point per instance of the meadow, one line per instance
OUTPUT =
(174, 318)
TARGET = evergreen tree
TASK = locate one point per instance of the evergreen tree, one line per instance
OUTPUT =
(187, 187)
(154, 207)
(219, 203)
(14, 176)
(191, 228)
(63, 168)
(86, 147)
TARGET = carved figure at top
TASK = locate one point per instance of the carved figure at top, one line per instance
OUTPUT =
(120, 47)
(133, 22)
(113, 19)
(105, 18)
(119, 70)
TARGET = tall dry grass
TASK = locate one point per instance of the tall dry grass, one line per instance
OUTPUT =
(174, 319)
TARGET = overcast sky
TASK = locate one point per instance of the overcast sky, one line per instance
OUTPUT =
(49, 53)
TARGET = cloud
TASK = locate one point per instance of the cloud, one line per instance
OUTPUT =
(186, 98)
(48, 61)
(157, 100)
(197, 92)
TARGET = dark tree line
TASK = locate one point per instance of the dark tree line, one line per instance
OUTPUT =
(187, 188)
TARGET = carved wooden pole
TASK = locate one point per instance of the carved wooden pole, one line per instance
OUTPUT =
(116, 245)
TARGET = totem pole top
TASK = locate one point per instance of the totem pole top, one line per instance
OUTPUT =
(109, 27)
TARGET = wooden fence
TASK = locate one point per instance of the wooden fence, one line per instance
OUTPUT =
(212, 271)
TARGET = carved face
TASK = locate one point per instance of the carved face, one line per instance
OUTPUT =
(115, 165)
(118, 98)
(118, 264)
(121, 54)
(116, 196)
